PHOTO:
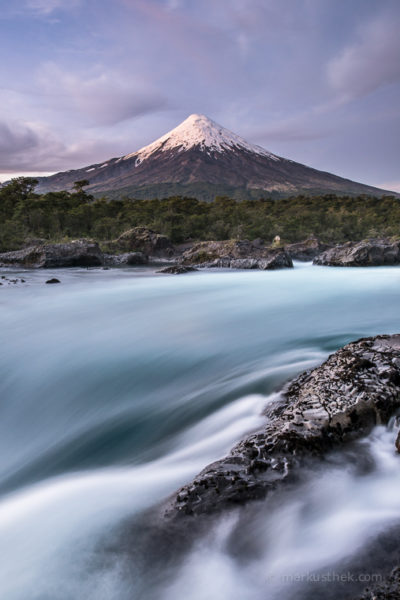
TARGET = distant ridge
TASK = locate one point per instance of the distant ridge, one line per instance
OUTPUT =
(203, 159)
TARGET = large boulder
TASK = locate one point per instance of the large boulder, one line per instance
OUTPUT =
(368, 253)
(141, 239)
(236, 254)
(78, 253)
(338, 402)
(306, 250)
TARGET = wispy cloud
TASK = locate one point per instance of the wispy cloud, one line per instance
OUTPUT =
(104, 98)
(370, 62)
(32, 146)
(47, 7)
(314, 81)
(22, 144)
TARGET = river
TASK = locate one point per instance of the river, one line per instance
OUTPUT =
(120, 385)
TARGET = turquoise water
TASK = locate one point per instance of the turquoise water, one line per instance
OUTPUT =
(118, 386)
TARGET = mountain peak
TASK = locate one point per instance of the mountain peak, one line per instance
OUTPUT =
(200, 158)
(203, 133)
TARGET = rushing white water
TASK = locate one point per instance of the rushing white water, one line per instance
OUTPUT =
(118, 386)
(302, 539)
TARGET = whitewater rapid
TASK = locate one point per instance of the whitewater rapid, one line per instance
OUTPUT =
(119, 386)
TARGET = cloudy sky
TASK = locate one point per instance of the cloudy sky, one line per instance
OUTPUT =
(317, 81)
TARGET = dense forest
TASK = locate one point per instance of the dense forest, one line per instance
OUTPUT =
(56, 216)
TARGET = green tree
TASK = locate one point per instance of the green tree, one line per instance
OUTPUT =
(79, 185)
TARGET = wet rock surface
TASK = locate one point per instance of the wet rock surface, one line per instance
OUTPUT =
(78, 253)
(177, 269)
(338, 402)
(234, 254)
(373, 252)
(11, 281)
(306, 250)
(387, 590)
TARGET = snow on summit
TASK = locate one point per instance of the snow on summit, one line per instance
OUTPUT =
(201, 132)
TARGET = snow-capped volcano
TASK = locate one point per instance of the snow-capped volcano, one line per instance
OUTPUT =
(199, 158)
(198, 131)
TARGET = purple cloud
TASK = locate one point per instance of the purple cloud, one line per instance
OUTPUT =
(46, 7)
(370, 62)
(103, 98)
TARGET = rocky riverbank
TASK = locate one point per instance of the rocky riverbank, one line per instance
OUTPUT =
(141, 246)
(138, 246)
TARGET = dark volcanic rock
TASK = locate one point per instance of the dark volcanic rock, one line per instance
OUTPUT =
(368, 253)
(78, 253)
(53, 280)
(177, 269)
(7, 281)
(236, 254)
(137, 258)
(307, 250)
(398, 442)
(141, 239)
(388, 590)
(27, 257)
(356, 388)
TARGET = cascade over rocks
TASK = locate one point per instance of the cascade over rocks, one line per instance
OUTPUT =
(340, 401)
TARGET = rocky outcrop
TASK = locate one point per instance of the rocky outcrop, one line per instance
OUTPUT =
(177, 269)
(141, 239)
(78, 253)
(307, 250)
(236, 254)
(340, 401)
(368, 253)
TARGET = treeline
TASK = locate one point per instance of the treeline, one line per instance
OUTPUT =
(55, 216)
